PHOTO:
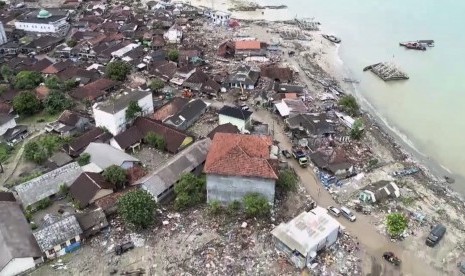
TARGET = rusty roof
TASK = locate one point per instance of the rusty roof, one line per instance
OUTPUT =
(248, 45)
(240, 155)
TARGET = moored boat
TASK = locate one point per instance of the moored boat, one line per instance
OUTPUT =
(413, 45)
(332, 38)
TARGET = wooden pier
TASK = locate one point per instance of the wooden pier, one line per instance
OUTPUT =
(308, 24)
(387, 71)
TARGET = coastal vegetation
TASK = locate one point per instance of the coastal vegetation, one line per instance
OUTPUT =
(190, 191)
(349, 104)
(396, 224)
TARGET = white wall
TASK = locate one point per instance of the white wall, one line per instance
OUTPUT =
(115, 144)
(17, 265)
(3, 128)
(113, 122)
(116, 123)
(241, 124)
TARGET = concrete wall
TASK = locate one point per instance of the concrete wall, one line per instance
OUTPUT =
(115, 123)
(229, 188)
(58, 247)
(3, 128)
(52, 27)
(17, 265)
(241, 124)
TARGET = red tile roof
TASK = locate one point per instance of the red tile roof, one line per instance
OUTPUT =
(248, 45)
(240, 155)
(93, 90)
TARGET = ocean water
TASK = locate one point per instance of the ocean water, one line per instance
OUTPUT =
(427, 111)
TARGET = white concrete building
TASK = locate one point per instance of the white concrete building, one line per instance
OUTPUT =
(301, 238)
(44, 22)
(173, 35)
(6, 122)
(242, 119)
(220, 17)
(111, 114)
(3, 38)
(238, 164)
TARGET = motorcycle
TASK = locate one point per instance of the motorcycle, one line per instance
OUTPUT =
(390, 257)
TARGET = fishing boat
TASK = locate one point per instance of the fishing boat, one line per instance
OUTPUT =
(332, 38)
(413, 45)
(427, 42)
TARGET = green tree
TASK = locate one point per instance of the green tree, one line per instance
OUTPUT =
(42, 148)
(26, 103)
(133, 111)
(256, 205)
(190, 191)
(156, 85)
(53, 82)
(356, 132)
(155, 140)
(287, 180)
(68, 85)
(137, 208)
(71, 43)
(115, 175)
(396, 224)
(84, 159)
(56, 102)
(117, 70)
(6, 72)
(349, 105)
(28, 80)
(173, 55)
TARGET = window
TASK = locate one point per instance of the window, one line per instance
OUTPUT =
(51, 251)
(73, 240)
(63, 245)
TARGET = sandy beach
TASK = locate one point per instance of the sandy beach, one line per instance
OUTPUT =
(429, 196)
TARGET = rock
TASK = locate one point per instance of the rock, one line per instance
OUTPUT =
(244, 224)
(165, 222)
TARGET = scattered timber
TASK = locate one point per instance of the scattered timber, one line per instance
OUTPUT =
(387, 71)
(308, 24)
(350, 80)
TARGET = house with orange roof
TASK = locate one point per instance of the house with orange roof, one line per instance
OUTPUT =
(238, 164)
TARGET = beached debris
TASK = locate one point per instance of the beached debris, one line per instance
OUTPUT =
(387, 71)
(406, 172)
(332, 38)
(308, 24)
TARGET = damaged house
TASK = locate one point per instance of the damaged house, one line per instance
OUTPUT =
(305, 235)
(311, 125)
(188, 115)
(334, 161)
(244, 77)
(69, 123)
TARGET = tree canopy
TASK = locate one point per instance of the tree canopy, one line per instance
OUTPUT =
(6, 72)
(26, 103)
(42, 148)
(173, 55)
(356, 132)
(256, 205)
(56, 102)
(190, 191)
(84, 159)
(115, 175)
(53, 82)
(155, 140)
(287, 180)
(137, 208)
(117, 70)
(156, 85)
(71, 43)
(396, 224)
(133, 111)
(349, 105)
(28, 80)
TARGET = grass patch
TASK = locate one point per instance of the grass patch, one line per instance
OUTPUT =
(41, 117)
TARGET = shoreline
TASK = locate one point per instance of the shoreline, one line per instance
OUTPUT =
(429, 181)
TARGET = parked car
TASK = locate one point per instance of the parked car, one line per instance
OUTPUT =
(348, 214)
(286, 154)
(334, 211)
(435, 235)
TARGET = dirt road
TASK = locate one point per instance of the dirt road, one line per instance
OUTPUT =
(373, 242)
